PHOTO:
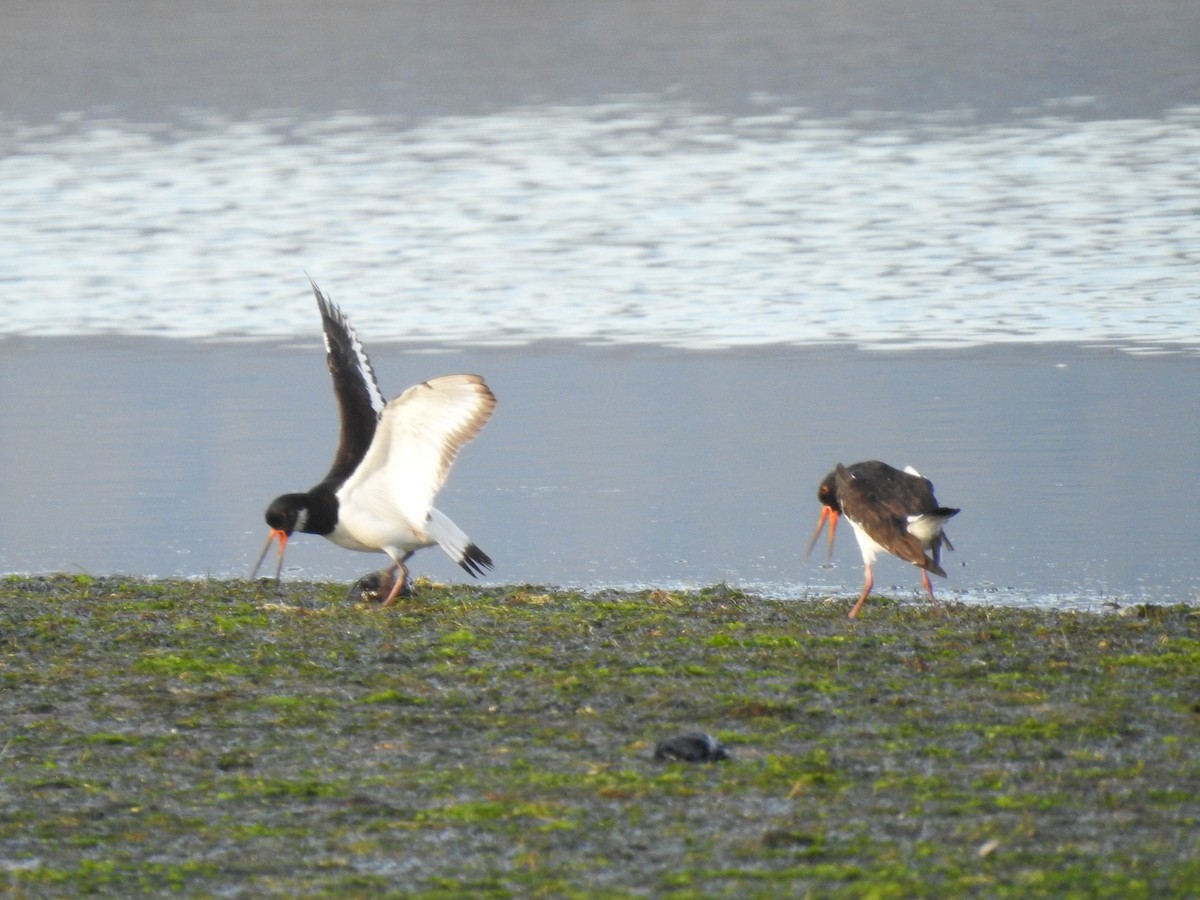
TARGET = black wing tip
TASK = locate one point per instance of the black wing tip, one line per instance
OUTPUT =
(333, 321)
(475, 561)
(331, 313)
(934, 568)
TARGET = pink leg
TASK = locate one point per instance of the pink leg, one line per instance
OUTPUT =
(866, 590)
(398, 586)
(929, 587)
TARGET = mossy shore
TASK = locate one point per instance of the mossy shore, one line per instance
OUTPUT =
(238, 739)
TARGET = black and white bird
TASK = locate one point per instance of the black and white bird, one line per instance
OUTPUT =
(392, 459)
(890, 509)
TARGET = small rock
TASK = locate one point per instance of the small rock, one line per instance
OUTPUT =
(373, 587)
(783, 838)
(693, 746)
(987, 848)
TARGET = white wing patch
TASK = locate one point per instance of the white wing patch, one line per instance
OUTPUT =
(418, 437)
(925, 528)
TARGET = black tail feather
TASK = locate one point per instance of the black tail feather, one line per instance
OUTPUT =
(475, 561)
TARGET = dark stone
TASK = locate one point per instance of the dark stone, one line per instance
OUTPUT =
(693, 746)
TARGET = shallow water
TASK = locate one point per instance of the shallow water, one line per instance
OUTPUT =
(702, 255)
(1074, 467)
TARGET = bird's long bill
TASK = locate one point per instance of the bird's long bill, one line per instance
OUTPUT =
(283, 539)
(827, 514)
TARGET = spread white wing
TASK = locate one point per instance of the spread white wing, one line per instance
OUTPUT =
(416, 441)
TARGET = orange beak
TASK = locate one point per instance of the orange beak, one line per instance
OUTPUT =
(283, 539)
(830, 514)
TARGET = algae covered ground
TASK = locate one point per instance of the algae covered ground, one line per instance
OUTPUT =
(236, 739)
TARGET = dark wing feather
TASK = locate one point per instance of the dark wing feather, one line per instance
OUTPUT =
(359, 399)
(880, 510)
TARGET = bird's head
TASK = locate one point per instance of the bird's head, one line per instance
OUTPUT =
(286, 515)
(827, 494)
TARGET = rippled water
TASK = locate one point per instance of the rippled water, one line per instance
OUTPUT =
(633, 221)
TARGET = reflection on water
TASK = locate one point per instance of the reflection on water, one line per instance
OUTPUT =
(639, 221)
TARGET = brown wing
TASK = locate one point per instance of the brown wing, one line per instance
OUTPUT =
(879, 506)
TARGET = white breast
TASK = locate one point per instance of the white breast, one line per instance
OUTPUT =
(362, 526)
(867, 544)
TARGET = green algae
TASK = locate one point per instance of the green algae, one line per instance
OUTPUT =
(217, 738)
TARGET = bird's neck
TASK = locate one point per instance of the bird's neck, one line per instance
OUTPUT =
(322, 511)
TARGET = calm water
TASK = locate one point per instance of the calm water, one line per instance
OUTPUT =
(1075, 468)
(701, 254)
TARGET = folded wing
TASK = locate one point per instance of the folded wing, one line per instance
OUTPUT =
(883, 514)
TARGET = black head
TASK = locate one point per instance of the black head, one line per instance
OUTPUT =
(827, 492)
(828, 495)
(288, 513)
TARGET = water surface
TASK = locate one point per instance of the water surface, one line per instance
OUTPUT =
(1074, 467)
(634, 222)
(702, 252)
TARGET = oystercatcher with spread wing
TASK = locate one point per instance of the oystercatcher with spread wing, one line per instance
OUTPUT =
(392, 459)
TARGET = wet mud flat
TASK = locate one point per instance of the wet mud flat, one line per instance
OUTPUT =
(216, 738)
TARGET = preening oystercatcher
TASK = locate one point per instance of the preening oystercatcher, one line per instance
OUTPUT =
(890, 509)
(391, 460)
